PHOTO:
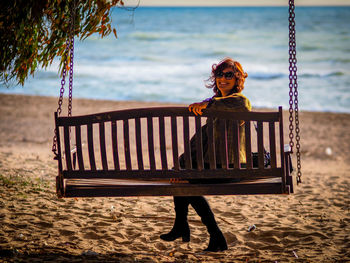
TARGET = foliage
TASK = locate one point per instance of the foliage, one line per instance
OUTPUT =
(34, 32)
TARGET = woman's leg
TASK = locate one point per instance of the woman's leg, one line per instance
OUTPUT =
(217, 240)
(181, 227)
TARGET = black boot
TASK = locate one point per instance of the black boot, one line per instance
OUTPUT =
(181, 227)
(217, 240)
(179, 230)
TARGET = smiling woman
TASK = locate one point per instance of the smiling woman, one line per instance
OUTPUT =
(227, 81)
(227, 78)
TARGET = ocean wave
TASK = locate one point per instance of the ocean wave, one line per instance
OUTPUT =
(266, 76)
(342, 60)
(184, 36)
(337, 73)
(322, 75)
(330, 60)
(310, 47)
(218, 53)
(154, 36)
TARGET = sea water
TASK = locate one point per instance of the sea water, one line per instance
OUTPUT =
(166, 54)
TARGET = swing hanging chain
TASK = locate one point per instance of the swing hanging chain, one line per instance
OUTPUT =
(71, 64)
(291, 72)
(293, 90)
(69, 52)
(63, 81)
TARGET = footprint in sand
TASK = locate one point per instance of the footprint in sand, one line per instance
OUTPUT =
(102, 224)
(162, 209)
(92, 235)
(161, 246)
(66, 232)
(43, 224)
(230, 238)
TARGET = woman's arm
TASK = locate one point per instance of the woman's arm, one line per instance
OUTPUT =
(234, 102)
(198, 107)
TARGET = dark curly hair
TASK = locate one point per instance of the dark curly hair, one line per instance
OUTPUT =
(240, 75)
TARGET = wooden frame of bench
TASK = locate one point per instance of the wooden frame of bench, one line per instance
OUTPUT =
(139, 180)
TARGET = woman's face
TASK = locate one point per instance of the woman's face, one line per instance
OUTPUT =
(225, 81)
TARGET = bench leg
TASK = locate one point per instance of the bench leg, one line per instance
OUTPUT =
(289, 170)
(59, 186)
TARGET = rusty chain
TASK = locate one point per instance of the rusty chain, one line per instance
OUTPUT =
(293, 90)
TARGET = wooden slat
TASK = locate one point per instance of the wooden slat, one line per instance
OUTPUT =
(79, 147)
(58, 138)
(289, 178)
(283, 165)
(248, 144)
(211, 144)
(187, 146)
(103, 146)
(127, 145)
(152, 161)
(163, 157)
(138, 143)
(163, 111)
(67, 148)
(174, 143)
(175, 190)
(223, 144)
(236, 145)
(260, 145)
(199, 143)
(115, 146)
(90, 137)
(272, 141)
(182, 174)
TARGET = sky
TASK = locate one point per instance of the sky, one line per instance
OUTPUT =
(239, 2)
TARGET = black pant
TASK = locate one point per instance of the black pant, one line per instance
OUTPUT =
(200, 205)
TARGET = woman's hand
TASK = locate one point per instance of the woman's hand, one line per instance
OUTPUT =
(198, 107)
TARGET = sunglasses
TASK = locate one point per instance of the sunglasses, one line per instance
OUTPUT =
(227, 75)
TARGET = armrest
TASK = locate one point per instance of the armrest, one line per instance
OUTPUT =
(287, 152)
(287, 148)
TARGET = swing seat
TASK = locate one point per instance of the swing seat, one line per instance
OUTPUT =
(136, 152)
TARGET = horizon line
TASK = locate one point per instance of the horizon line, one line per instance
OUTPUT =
(331, 5)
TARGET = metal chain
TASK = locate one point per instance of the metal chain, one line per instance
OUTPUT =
(69, 52)
(71, 64)
(63, 81)
(291, 72)
(60, 100)
(293, 90)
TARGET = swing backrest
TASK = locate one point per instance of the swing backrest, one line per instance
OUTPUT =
(145, 144)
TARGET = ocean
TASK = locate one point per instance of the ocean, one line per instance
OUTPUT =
(165, 54)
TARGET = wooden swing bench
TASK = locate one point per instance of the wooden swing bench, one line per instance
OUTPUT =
(139, 153)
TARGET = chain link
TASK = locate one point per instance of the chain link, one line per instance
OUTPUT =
(60, 100)
(69, 53)
(293, 90)
(71, 67)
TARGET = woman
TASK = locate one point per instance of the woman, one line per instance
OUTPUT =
(227, 81)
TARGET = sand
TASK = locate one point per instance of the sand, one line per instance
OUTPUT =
(311, 225)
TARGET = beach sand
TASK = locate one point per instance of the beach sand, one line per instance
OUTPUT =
(311, 225)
